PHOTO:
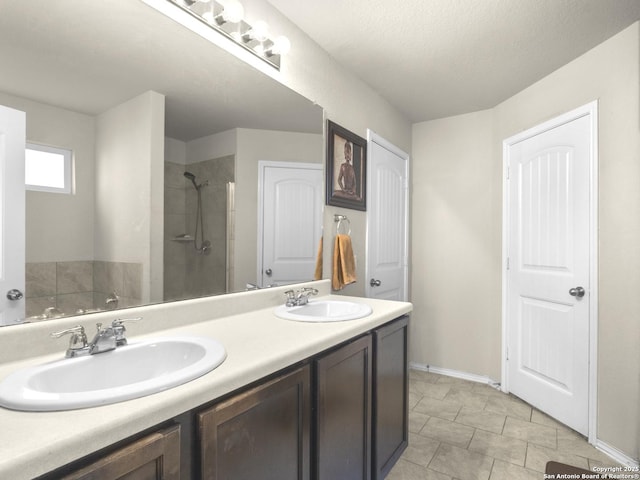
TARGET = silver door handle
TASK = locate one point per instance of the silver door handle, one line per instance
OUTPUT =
(14, 294)
(268, 272)
(577, 292)
(375, 283)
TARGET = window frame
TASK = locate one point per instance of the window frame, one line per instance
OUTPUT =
(67, 155)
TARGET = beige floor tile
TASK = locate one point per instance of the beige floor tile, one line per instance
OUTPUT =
(537, 458)
(424, 376)
(543, 419)
(420, 449)
(489, 421)
(488, 389)
(427, 389)
(461, 463)
(507, 406)
(462, 430)
(468, 398)
(507, 471)
(404, 470)
(438, 408)
(530, 432)
(573, 443)
(414, 398)
(500, 447)
(417, 421)
(448, 432)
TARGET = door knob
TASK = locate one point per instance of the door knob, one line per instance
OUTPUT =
(375, 283)
(268, 272)
(577, 292)
(14, 294)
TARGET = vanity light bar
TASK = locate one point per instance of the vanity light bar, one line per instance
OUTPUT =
(227, 20)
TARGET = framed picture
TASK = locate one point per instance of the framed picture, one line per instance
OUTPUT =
(346, 168)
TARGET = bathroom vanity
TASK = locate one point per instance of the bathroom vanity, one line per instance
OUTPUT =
(292, 400)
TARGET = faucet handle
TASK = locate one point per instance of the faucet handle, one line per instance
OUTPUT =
(291, 298)
(78, 340)
(77, 330)
(119, 329)
(119, 321)
(310, 290)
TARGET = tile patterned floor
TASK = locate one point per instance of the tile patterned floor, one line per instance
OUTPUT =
(461, 430)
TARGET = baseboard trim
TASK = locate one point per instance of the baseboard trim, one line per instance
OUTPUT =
(456, 374)
(616, 454)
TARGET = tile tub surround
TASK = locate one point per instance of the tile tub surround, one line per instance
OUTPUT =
(257, 344)
(72, 285)
(465, 430)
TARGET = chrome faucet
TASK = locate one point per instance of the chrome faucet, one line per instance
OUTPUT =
(297, 298)
(105, 339)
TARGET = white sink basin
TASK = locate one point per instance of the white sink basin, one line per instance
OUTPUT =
(324, 311)
(131, 371)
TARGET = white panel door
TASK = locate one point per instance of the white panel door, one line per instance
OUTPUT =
(291, 213)
(548, 273)
(387, 222)
(12, 216)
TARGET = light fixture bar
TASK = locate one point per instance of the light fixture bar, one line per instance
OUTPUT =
(212, 14)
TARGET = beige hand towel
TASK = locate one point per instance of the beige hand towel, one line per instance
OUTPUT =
(344, 263)
(317, 275)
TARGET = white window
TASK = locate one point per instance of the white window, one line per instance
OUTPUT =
(47, 169)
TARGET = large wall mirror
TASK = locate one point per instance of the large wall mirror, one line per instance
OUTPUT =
(168, 133)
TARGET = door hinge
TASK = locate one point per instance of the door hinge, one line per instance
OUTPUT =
(508, 173)
(507, 353)
(508, 263)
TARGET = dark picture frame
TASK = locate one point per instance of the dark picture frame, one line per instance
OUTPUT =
(346, 180)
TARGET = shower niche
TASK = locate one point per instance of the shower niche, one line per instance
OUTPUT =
(198, 211)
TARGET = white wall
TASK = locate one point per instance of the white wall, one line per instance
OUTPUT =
(129, 171)
(457, 181)
(455, 284)
(59, 227)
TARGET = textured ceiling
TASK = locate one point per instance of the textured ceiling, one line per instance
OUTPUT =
(437, 58)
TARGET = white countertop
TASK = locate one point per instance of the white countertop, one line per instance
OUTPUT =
(257, 342)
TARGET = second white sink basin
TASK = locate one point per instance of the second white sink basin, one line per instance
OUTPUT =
(324, 311)
(131, 371)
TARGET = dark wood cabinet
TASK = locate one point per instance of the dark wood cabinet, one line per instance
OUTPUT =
(260, 434)
(343, 412)
(391, 392)
(340, 414)
(153, 457)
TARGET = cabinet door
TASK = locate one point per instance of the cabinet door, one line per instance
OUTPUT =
(261, 434)
(344, 412)
(154, 457)
(390, 404)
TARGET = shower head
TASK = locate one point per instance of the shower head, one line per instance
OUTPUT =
(191, 177)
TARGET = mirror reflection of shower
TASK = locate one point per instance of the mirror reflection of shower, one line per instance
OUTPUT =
(205, 245)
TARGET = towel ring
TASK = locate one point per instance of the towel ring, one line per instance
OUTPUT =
(339, 219)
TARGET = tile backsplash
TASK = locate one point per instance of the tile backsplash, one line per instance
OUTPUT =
(80, 285)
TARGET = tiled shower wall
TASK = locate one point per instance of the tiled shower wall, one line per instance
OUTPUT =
(187, 273)
(70, 286)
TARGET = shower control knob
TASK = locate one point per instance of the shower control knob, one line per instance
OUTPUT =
(14, 294)
(375, 283)
(268, 272)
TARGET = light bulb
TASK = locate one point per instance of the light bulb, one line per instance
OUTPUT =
(208, 16)
(233, 12)
(259, 31)
(281, 45)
